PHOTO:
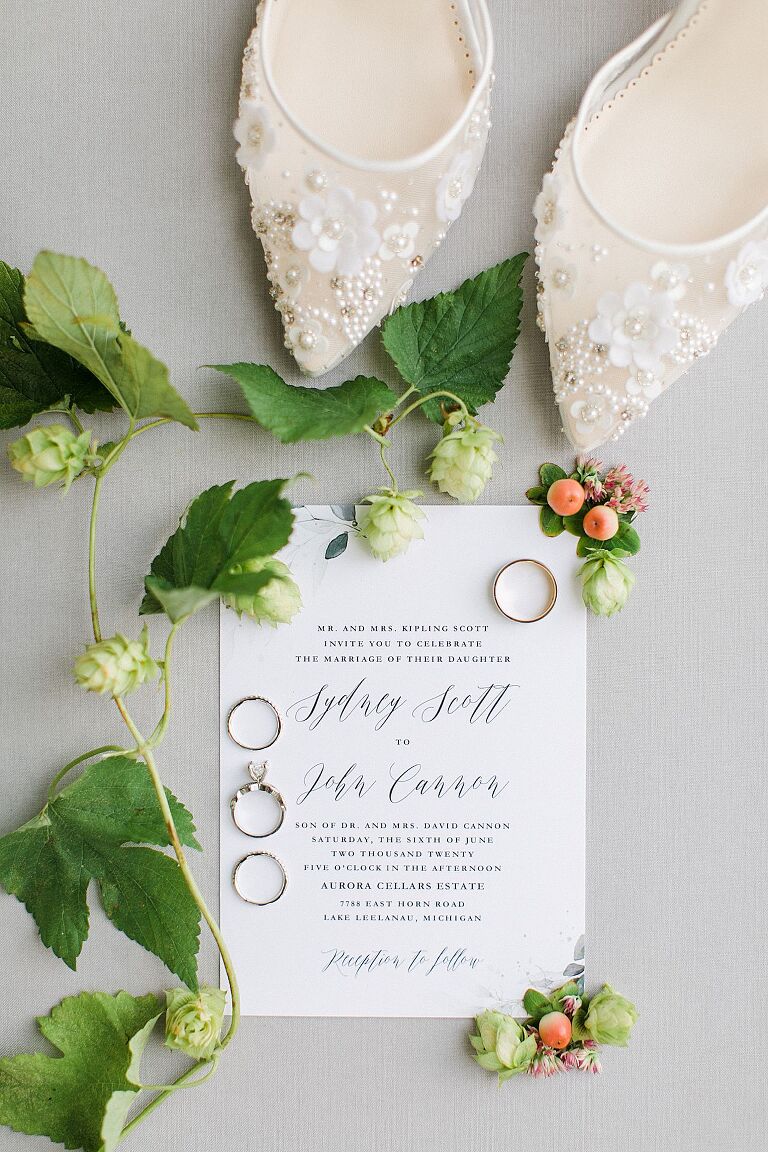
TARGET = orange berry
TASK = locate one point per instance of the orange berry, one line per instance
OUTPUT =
(555, 1030)
(566, 497)
(601, 523)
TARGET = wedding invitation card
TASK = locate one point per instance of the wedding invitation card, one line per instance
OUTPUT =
(432, 765)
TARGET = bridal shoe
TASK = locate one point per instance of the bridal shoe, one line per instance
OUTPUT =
(361, 129)
(652, 227)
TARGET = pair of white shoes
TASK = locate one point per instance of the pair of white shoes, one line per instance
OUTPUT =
(362, 128)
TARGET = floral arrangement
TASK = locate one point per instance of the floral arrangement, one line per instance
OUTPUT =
(66, 353)
(598, 507)
(562, 1031)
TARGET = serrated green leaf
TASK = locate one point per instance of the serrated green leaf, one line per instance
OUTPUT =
(537, 494)
(551, 523)
(536, 1004)
(294, 413)
(73, 306)
(219, 533)
(549, 473)
(83, 835)
(462, 341)
(79, 1098)
(35, 376)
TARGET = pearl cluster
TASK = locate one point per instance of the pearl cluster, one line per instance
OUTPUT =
(695, 339)
(358, 298)
(274, 221)
(580, 362)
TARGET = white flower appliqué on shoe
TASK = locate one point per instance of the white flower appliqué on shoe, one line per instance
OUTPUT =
(356, 173)
(399, 241)
(254, 134)
(337, 231)
(456, 187)
(643, 259)
(746, 277)
(548, 209)
(638, 329)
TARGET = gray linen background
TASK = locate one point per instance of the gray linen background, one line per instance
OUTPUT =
(116, 145)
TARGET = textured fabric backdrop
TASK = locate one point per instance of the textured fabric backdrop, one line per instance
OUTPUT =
(116, 145)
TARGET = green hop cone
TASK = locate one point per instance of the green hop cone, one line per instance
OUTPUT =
(50, 454)
(610, 1017)
(606, 583)
(116, 666)
(462, 463)
(391, 522)
(193, 1021)
(276, 602)
(501, 1045)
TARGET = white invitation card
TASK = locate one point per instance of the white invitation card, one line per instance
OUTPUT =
(432, 766)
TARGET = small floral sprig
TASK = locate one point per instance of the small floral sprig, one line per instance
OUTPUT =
(598, 507)
(562, 1032)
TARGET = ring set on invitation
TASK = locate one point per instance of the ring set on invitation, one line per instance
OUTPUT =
(257, 773)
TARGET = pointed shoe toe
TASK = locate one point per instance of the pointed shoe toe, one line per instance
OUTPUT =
(356, 169)
(652, 227)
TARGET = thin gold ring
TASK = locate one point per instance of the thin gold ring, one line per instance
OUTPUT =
(249, 899)
(254, 747)
(553, 592)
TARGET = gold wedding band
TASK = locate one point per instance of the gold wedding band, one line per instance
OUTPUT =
(552, 597)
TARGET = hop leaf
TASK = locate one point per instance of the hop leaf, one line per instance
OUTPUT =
(193, 1021)
(83, 834)
(462, 462)
(81, 1098)
(277, 602)
(391, 522)
(501, 1045)
(610, 1017)
(50, 454)
(116, 666)
(606, 583)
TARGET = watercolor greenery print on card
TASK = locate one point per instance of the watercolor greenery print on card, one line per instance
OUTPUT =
(108, 828)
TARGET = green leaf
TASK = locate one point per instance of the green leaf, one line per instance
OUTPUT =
(575, 524)
(625, 543)
(579, 1031)
(296, 413)
(460, 341)
(536, 1004)
(82, 835)
(337, 546)
(489, 1061)
(549, 473)
(73, 306)
(35, 376)
(81, 1098)
(626, 539)
(219, 533)
(477, 1043)
(551, 523)
(537, 494)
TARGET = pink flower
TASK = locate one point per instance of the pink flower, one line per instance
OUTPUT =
(571, 1005)
(544, 1064)
(584, 1058)
(588, 471)
(623, 493)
